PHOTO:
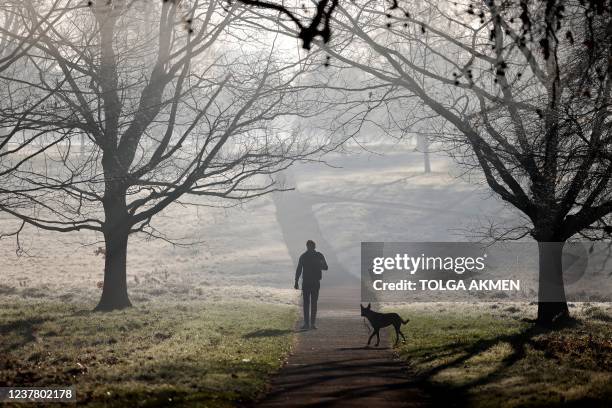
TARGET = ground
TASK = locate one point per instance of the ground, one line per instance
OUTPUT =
(332, 367)
(204, 308)
(205, 353)
(494, 356)
(211, 321)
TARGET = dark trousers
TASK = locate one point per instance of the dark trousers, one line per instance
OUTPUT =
(310, 295)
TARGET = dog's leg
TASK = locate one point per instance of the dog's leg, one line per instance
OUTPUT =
(397, 331)
(403, 337)
(377, 338)
(370, 339)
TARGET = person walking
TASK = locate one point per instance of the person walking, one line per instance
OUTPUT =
(309, 267)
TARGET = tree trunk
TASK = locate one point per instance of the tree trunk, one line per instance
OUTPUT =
(426, 158)
(114, 292)
(423, 146)
(552, 304)
(116, 234)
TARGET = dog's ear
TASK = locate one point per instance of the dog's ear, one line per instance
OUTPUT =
(369, 306)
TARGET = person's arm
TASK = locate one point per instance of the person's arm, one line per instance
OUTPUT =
(298, 273)
(323, 263)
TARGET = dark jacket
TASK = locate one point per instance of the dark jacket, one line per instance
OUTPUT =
(310, 266)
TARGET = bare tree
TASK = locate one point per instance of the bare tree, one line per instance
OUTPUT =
(16, 36)
(524, 90)
(172, 110)
(308, 28)
(16, 100)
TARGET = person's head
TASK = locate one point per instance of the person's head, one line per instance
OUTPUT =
(310, 245)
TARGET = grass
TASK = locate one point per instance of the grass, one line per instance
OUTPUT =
(188, 353)
(497, 358)
(219, 354)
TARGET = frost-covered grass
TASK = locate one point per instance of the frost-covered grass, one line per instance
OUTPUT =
(185, 353)
(237, 253)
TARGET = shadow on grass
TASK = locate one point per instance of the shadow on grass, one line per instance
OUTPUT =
(458, 356)
(188, 383)
(23, 328)
(266, 333)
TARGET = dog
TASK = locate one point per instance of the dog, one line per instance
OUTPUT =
(380, 320)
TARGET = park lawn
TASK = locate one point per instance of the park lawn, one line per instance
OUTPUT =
(167, 353)
(491, 356)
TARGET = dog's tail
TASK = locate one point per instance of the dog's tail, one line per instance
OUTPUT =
(404, 321)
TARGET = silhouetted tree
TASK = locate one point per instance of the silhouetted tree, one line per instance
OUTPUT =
(172, 109)
(528, 90)
(308, 28)
(523, 92)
